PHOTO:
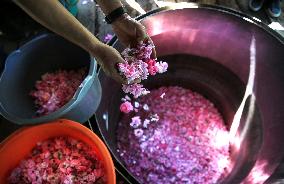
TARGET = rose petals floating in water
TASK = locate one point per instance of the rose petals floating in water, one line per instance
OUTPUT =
(59, 160)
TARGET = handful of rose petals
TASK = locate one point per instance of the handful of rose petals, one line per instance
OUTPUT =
(138, 66)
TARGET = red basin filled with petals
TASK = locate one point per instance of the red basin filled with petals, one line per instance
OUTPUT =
(20, 144)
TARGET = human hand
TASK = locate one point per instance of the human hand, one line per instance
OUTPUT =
(108, 58)
(130, 32)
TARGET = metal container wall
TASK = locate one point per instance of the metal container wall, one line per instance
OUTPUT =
(249, 50)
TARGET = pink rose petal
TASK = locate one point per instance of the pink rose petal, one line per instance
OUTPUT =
(126, 107)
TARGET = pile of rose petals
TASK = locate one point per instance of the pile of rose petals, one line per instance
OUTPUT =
(54, 90)
(173, 135)
(61, 160)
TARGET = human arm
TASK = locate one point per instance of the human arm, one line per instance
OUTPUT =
(54, 16)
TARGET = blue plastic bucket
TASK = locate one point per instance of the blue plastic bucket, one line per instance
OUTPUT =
(23, 67)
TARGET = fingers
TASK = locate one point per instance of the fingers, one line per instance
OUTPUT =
(136, 81)
(112, 71)
(142, 37)
(115, 75)
(119, 78)
(141, 34)
(154, 54)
